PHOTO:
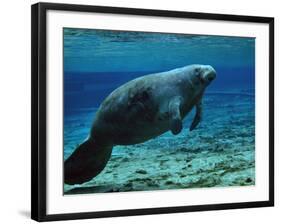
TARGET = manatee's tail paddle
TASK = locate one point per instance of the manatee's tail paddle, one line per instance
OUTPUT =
(86, 162)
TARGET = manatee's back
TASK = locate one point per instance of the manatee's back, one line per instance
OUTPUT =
(127, 115)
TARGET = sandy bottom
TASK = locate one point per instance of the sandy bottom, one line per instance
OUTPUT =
(219, 153)
(184, 169)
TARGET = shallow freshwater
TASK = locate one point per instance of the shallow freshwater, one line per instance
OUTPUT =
(219, 152)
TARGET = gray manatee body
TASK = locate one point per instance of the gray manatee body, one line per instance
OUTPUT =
(137, 111)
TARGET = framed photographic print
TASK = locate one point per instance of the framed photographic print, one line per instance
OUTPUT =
(139, 111)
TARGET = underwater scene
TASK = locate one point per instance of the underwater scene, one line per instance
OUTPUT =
(219, 149)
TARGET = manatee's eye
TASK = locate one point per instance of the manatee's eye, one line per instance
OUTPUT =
(198, 76)
(197, 71)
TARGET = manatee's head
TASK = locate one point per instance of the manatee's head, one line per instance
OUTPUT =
(200, 76)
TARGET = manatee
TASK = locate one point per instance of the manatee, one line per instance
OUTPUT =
(137, 111)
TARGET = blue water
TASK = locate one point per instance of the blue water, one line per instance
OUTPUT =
(98, 61)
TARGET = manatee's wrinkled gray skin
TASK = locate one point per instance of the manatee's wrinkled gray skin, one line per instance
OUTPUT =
(137, 111)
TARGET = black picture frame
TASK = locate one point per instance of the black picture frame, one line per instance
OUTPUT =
(38, 107)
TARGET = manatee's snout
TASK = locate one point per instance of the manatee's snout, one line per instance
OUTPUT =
(209, 74)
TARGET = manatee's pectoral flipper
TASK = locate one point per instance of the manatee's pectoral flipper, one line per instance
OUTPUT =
(198, 116)
(175, 115)
(86, 162)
